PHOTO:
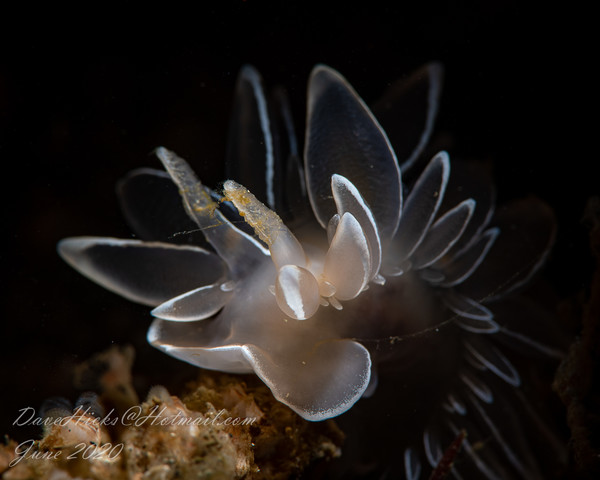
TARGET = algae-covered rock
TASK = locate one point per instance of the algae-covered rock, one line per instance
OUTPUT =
(219, 427)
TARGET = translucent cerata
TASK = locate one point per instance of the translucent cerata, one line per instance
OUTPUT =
(313, 267)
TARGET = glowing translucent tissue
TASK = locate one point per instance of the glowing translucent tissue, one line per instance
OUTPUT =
(364, 246)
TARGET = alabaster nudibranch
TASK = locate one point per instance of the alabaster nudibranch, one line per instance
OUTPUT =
(303, 271)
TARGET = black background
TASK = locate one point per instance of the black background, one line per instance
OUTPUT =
(85, 96)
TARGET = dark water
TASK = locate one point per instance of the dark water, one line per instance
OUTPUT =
(77, 113)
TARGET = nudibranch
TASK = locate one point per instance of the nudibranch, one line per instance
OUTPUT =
(310, 274)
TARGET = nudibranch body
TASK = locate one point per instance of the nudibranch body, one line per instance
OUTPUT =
(312, 301)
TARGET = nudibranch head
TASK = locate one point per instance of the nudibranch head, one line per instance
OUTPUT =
(352, 259)
(364, 251)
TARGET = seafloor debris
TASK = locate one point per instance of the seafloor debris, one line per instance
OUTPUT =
(577, 380)
(109, 372)
(220, 427)
(444, 466)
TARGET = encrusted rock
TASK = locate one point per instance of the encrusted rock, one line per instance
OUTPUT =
(221, 427)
